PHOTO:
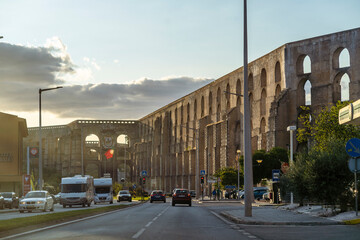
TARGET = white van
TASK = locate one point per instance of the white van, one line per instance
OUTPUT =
(103, 190)
(77, 190)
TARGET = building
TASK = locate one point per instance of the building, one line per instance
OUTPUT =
(12, 132)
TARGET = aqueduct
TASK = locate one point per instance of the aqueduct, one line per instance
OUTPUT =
(202, 131)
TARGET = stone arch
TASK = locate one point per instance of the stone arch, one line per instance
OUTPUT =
(263, 134)
(341, 88)
(237, 137)
(218, 101)
(277, 72)
(182, 114)
(251, 82)
(304, 92)
(227, 97)
(202, 106)
(251, 104)
(238, 91)
(188, 112)
(303, 64)
(210, 103)
(263, 103)
(263, 78)
(341, 58)
(92, 138)
(195, 109)
(277, 90)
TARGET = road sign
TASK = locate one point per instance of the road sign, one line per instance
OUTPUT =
(202, 172)
(211, 181)
(134, 186)
(143, 173)
(230, 187)
(353, 147)
(276, 175)
(354, 165)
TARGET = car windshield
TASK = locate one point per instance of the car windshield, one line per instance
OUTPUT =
(157, 192)
(6, 195)
(69, 188)
(181, 191)
(124, 192)
(102, 189)
(35, 195)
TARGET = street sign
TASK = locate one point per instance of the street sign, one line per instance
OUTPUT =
(276, 175)
(211, 181)
(202, 172)
(134, 186)
(230, 187)
(34, 152)
(143, 173)
(354, 165)
(353, 147)
(107, 175)
(26, 184)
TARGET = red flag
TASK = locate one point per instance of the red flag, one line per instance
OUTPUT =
(109, 153)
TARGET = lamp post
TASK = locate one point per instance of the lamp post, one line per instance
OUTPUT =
(291, 129)
(40, 142)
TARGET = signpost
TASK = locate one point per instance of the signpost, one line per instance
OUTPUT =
(202, 172)
(353, 150)
(144, 173)
(276, 175)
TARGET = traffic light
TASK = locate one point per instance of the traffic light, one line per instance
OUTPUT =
(202, 180)
(143, 180)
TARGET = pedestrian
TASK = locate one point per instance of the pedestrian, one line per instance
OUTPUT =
(214, 194)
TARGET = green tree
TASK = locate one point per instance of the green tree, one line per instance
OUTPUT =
(228, 176)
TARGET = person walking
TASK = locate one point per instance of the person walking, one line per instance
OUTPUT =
(214, 194)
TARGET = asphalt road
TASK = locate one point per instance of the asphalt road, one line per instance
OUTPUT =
(201, 221)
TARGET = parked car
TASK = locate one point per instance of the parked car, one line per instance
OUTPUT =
(36, 200)
(2, 202)
(11, 200)
(157, 195)
(58, 197)
(258, 192)
(124, 195)
(181, 196)
(192, 193)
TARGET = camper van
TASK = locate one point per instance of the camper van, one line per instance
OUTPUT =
(77, 190)
(103, 190)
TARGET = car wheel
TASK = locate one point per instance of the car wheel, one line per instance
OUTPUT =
(151, 201)
(64, 205)
(190, 204)
(83, 205)
(165, 201)
(29, 210)
(70, 206)
(10, 206)
(130, 200)
(21, 211)
(95, 203)
(52, 208)
(118, 200)
(45, 207)
(111, 202)
(173, 204)
(89, 204)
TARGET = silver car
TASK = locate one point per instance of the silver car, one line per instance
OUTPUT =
(36, 200)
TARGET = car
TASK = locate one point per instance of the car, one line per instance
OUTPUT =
(124, 195)
(2, 202)
(36, 200)
(157, 195)
(181, 196)
(57, 197)
(11, 200)
(258, 192)
(192, 193)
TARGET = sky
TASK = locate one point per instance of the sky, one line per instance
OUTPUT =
(123, 59)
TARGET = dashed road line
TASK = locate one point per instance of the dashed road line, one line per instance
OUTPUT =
(138, 234)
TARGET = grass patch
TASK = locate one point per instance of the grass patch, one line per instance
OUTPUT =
(57, 217)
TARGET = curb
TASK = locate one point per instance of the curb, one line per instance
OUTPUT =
(352, 221)
(242, 221)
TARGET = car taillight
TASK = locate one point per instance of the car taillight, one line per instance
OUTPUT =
(188, 194)
(152, 195)
(163, 195)
(174, 195)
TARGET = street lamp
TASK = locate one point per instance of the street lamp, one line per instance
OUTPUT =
(291, 129)
(40, 147)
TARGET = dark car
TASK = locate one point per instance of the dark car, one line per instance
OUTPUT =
(181, 196)
(157, 195)
(124, 195)
(11, 200)
(192, 193)
(258, 192)
(2, 202)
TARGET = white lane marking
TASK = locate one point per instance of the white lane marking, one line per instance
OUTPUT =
(149, 223)
(251, 236)
(154, 219)
(138, 233)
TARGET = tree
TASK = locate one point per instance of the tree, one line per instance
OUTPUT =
(228, 176)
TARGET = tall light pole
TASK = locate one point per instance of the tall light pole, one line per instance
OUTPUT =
(248, 174)
(291, 129)
(40, 142)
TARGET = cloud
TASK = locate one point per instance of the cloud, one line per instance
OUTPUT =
(24, 69)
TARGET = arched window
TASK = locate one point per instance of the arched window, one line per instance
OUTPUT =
(238, 91)
(277, 72)
(263, 103)
(122, 139)
(307, 89)
(188, 112)
(303, 65)
(345, 91)
(307, 65)
(277, 90)
(227, 97)
(263, 134)
(210, 103)
(263, 78)
(344, 58)
(251, 82)
(218, 101)
(195, 109)
(202, 106)
(251, 104)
